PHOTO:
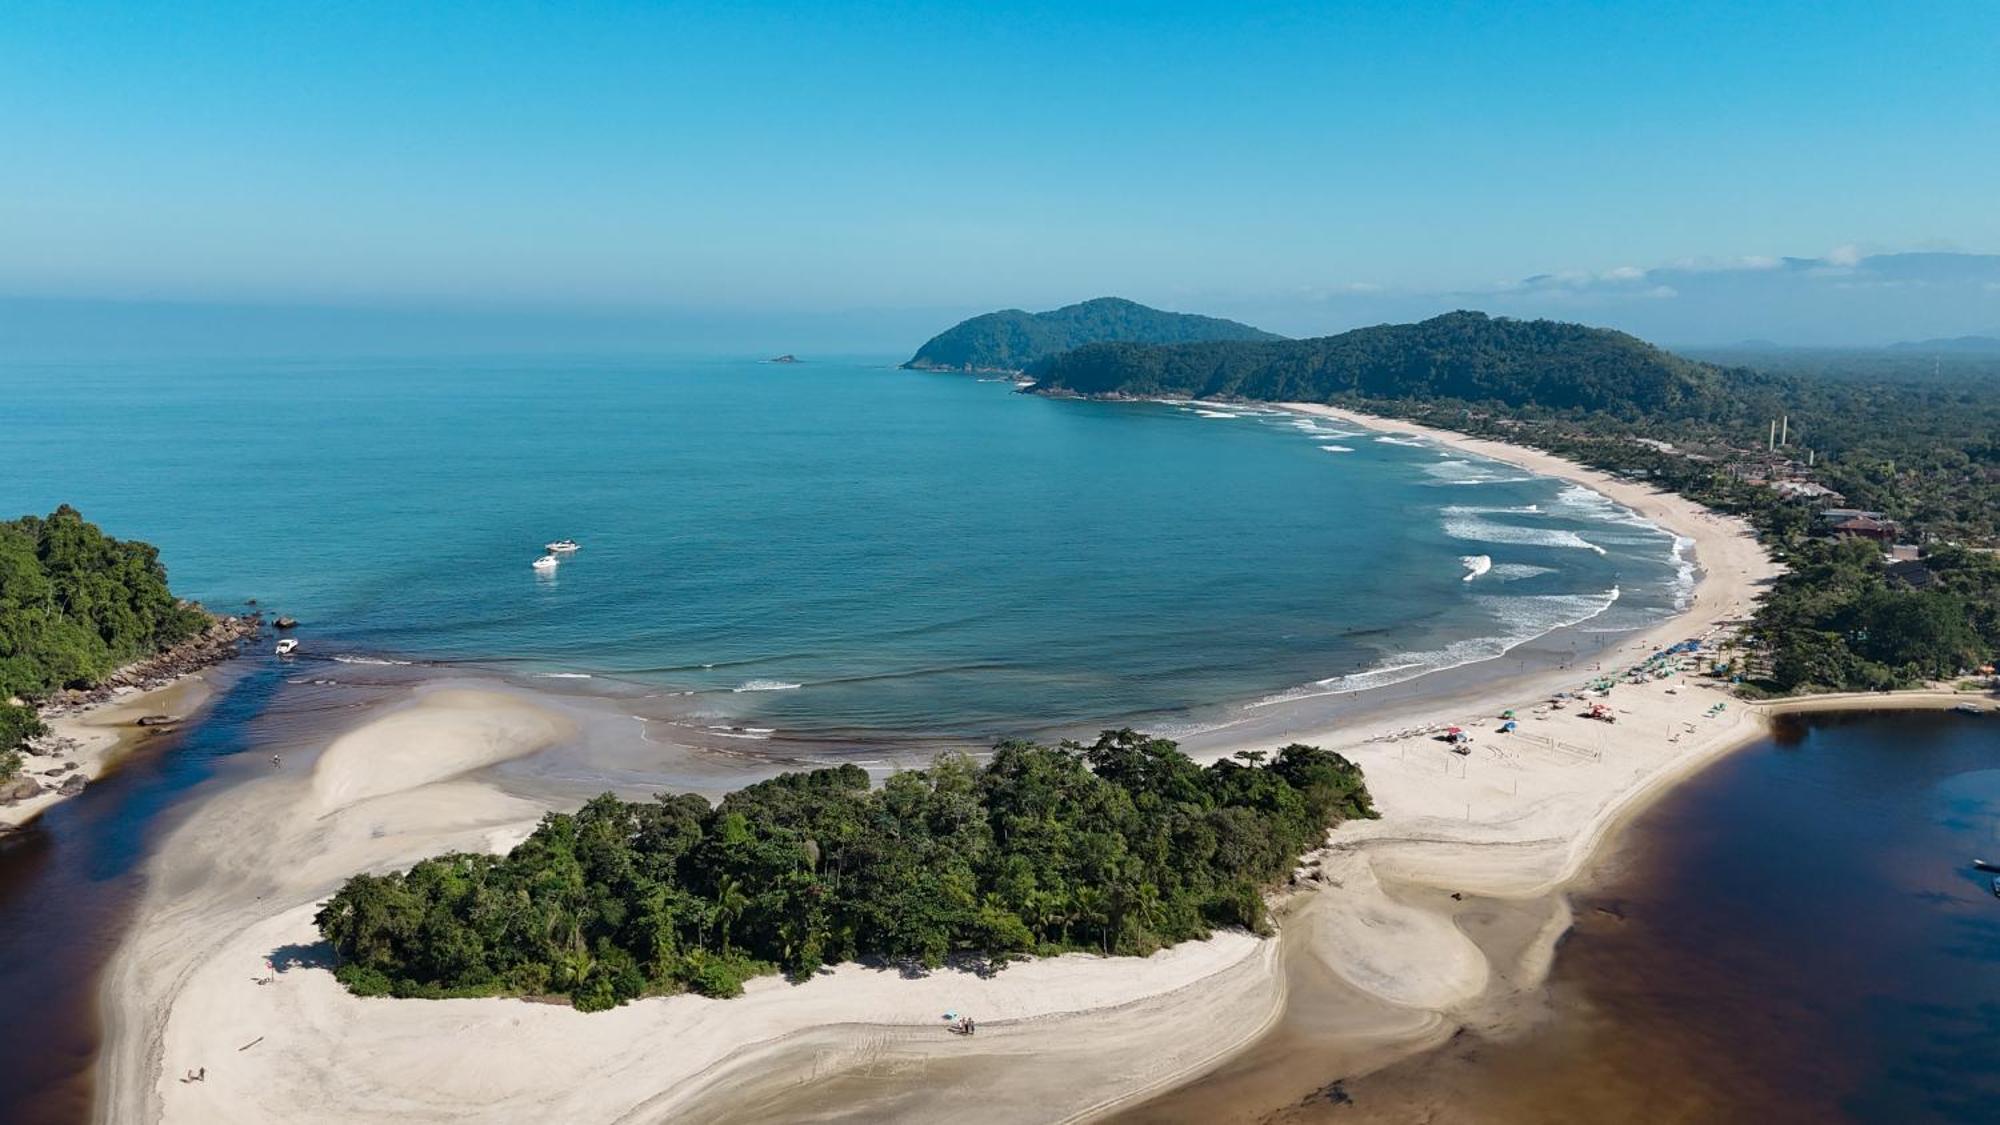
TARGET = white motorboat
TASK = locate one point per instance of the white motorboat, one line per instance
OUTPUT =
(287, 646)
(563, 546)
(546, 562)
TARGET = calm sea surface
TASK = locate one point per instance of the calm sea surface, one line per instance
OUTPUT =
(827, 548)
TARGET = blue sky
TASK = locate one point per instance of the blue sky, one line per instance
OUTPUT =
(814, 158)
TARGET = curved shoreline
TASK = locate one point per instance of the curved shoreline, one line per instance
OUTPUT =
(180, 987)
(1487, 852)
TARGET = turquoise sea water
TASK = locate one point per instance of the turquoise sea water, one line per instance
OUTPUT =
(827, 549)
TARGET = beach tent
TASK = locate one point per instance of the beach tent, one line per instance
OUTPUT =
(1508, 727)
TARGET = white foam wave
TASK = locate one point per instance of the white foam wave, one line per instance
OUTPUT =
(720, 731)
(1590, 505)
(1217, 414)
(564, 675)
(1522, 619)
(1684, 573)
(1393, 439)
(1458, 471)
(1473, 510)
(1486, 531)
(1336, 449)
(766, 685)
(344, 658)
(1512, 572)
(1476, 565)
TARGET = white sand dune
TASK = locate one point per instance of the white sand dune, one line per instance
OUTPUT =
(451, 733)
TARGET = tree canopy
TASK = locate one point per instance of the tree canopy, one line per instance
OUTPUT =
(1119, 847)
(75, 604)
(1462, 355)
(1011, 339)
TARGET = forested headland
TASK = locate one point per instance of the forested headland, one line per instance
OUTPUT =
(75, 605)
(1120, 847)
(1918, 443)
(1011, 340)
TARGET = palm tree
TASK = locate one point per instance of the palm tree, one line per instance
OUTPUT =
(730, 902)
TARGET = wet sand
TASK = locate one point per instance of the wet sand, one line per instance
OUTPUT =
(1795, 935)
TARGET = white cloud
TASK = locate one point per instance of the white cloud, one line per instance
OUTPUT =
(1845, 255)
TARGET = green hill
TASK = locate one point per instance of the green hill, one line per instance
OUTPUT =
(74, 605)
(1011, 340)
(1466, 356)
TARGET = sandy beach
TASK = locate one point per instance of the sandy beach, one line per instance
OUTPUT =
(96, 737)
(232, 905)
(235, 888)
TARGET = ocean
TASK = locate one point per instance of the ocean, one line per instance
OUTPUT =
(829, 551)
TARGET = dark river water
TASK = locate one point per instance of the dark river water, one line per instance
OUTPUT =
(68, 882)
(1796, 934)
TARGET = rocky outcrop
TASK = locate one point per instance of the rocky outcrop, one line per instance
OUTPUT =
(219, 642)
(19, 789)
(72, 785)
(285, 623)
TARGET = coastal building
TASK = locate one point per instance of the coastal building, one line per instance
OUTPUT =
(1865, 527)
(1911, 573)
(1805, 490)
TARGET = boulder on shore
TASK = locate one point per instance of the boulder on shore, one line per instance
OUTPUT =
(19, 789)
(72, 785)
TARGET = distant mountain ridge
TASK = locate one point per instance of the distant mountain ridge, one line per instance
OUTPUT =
(1012, 340)
(1462, 355)
(1978, 345)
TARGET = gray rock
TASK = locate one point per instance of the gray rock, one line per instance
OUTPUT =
(72, 785)
(19, 789)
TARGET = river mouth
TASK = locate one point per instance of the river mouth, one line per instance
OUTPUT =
(69, 881)
(1796, 933)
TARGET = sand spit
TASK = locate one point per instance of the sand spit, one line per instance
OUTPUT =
(234, 891)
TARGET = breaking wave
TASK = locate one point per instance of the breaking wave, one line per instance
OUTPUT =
(1522, 620)
(1486, 531)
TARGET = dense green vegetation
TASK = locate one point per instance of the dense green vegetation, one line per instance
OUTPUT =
(1463, 355)
(1010, 340)
(75, 604)
(1917, 441)
(1840, 621)
(1120, 847)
